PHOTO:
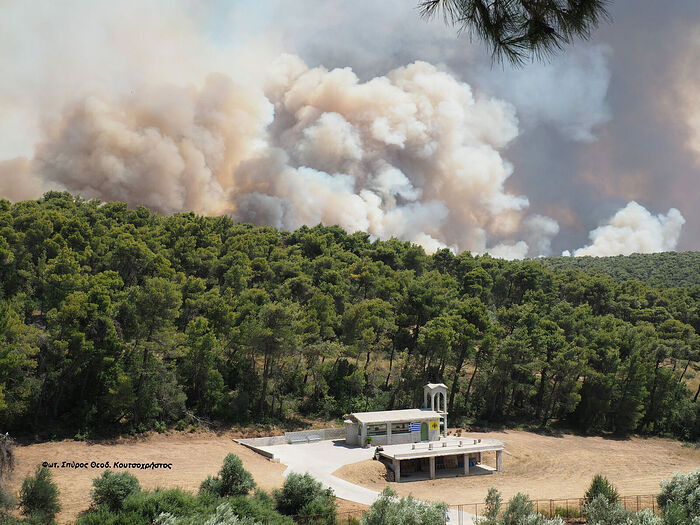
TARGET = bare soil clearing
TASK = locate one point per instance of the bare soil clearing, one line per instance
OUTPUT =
(193, 457)
(542, 466)
(547, 467)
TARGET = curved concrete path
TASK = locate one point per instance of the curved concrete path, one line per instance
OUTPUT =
(322, 458)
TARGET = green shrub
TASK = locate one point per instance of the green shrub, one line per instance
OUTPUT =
(302, 495)
(601, 486)
(493, 508)
(601, 511)
(211, 485)
(519, 508)
(647, 517)
(112, 488)
(520, 511)
(223, 515)
(104, 516)
(150, 505)
(390, 510)
(38, 497)
(261, 506)
(682, 494)
(233, 479)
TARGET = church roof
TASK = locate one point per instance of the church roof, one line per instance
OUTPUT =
(394, 416)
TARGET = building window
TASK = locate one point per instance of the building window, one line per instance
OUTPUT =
(399, 428)
(378, 429)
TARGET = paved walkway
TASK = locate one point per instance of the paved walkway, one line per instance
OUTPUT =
(322, 458)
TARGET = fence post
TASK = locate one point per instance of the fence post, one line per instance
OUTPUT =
(551, 509)
(637, 503)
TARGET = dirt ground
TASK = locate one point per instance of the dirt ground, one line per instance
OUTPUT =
(547, 467)
(542, 466)
(193, 457)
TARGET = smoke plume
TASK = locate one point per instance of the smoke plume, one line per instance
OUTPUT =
(414, 154)
(633, 229)
(408, 131)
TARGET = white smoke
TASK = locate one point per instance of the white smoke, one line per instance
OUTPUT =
(509, 251)
(413, 154)
(633, 229)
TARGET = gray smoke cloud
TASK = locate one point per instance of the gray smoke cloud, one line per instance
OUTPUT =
(414, 154)
(298, 112)
(688, 88)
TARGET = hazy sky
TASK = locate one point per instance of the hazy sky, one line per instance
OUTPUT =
(596, 152)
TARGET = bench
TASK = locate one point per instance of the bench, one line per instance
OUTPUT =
(304, 439)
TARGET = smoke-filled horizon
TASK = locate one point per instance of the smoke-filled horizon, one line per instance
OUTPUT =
(323, 117)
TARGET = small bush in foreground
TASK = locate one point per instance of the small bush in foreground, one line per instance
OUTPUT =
(520, 511)
(601, 511)
(302, 495)
(680, 497)
(112, 488)
(601, 486)
(233, 479)
(390, 510)
(38, 497)
(223, 515)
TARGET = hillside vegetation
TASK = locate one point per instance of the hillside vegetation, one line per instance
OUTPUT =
(121, 320)
(664, 270)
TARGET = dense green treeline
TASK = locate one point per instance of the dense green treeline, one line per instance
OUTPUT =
(663, 270)
(116, 320)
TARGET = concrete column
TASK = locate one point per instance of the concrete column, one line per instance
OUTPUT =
(466, 464)
(388, 433)
(499, 460)
(432, 467)
(363, 434)
(397, 469)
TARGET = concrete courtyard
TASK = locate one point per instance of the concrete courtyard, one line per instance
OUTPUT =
(322, 458)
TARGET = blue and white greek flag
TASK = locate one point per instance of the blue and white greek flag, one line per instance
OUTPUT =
(413, 427)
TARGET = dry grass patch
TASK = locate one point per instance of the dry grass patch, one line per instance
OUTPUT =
(193, 456)
(548, 467)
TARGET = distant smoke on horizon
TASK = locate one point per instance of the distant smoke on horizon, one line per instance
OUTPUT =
(634, 230)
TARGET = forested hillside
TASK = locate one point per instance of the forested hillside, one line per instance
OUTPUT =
(664, 270)
(118, 320)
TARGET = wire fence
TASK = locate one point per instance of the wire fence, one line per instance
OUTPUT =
(566, 508)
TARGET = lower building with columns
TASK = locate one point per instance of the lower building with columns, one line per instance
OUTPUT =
(443, 458)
